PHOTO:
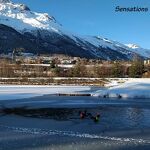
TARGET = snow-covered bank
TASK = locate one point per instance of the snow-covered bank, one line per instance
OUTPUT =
(132, 88)
(8, 92)
(117, 88)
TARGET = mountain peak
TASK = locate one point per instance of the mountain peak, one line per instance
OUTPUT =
(21, 18)
(24, 7)
(5, 1)
(133, 46)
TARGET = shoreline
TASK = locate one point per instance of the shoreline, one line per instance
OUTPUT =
(120, 88)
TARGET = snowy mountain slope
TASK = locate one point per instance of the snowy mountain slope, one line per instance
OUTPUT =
(106, 43)
(137, 49)
(41, 33)
(21, 18)
(4, 1)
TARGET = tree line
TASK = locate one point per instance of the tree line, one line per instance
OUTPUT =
(117, 69)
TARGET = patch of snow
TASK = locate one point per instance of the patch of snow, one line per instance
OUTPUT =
(65, 66)
(48, 65)
(133, 46)
(133, 88)
(112, 84)
(137, 49)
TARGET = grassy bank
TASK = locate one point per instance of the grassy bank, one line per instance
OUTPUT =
(54, 81)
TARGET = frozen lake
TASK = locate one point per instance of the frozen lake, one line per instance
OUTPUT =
(53, 122)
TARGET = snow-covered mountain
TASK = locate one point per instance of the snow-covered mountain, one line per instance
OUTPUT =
(22, 19)
(4, 1)
(137, 49)
(40, 33)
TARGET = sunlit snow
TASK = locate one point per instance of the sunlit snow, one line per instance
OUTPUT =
(133, 88)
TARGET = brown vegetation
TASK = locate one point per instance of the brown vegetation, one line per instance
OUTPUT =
(17, 72)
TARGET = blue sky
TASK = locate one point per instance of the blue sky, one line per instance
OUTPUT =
(98, 17)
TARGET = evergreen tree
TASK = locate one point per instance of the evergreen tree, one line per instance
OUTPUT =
(53, 64)
(117, 70)
(57, 71)
(79, 70)
(137, 68)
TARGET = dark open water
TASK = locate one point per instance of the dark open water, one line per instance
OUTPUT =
(52, 122)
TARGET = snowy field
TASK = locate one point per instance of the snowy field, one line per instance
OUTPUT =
(10, 92)
(115, 88)
(126, 88)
